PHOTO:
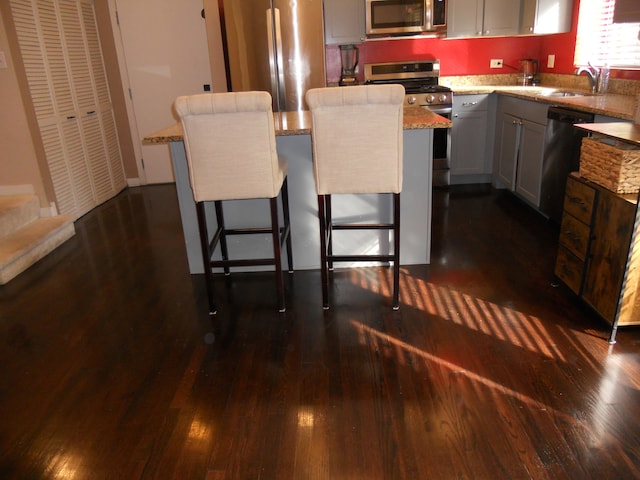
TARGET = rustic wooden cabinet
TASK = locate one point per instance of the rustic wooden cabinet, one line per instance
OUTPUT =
(597, 257)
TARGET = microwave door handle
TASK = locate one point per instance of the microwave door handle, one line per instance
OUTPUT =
(427, 15)
(276, 70)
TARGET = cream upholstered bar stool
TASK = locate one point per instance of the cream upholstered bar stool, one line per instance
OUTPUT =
(357, 149)
(230, 144)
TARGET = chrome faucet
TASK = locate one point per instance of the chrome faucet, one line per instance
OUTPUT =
(593, 73)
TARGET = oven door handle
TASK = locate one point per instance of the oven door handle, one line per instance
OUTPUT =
(444, 111)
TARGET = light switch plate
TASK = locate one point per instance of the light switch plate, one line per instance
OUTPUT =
(551, 61)
(3, 60)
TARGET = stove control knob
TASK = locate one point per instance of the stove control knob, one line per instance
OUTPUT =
(430, 98)
(443, 98)
(411, 100)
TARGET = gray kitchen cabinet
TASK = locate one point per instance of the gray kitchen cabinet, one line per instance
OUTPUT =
(344, 21)
(529, 161)
(507, 150)
(476, 18)
(470, 158)
(546, 16)
(520, 147)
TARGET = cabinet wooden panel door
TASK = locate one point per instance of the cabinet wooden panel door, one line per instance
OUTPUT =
(529, 162)
(464, 18)
(344, 21)
(501, 17)
(535, 17)
(469, 135)
(508, 149)
(473, 18)
(611, 237)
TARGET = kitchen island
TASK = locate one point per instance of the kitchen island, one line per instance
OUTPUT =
(293, 140)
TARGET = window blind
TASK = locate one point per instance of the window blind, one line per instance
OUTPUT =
(600, 41)
(626, 11)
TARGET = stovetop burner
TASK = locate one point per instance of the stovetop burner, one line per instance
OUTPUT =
(420, 81)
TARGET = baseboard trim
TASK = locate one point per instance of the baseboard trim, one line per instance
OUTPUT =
(17, 190)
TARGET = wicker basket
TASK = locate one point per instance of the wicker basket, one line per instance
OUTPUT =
(614, 166)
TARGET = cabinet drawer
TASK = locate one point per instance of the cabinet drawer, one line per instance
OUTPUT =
(578, 200)
(574, 235)
(469, 103)
(569, 269)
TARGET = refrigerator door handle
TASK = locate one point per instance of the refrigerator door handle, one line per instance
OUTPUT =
(276, 67)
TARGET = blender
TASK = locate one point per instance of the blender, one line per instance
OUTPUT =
(349, 60)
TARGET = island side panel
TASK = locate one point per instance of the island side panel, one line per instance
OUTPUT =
(416, 198)
(415, 208)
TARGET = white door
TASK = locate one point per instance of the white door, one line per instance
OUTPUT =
(165, 48)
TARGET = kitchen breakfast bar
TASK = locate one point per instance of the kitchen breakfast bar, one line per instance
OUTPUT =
(293, 140)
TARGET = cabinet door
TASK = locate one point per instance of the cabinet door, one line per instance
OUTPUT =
(536, 17)
(611, 237)
(508, 149)
(501, 17)
(468, 142)
(529, 169)
(344, 21)
(464, 18)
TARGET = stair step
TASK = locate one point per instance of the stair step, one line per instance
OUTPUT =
(17, 211)
(24, 247)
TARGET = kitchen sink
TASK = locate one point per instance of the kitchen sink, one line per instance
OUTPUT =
(563, 93)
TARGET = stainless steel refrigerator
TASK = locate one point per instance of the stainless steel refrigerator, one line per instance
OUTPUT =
(276, 46)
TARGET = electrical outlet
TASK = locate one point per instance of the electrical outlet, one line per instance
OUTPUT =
(496, 63)
(551, 61)
(3, 60)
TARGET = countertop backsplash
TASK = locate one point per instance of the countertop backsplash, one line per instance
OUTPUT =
(570, 82)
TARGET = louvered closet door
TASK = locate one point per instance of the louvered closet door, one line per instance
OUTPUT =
(65, 70)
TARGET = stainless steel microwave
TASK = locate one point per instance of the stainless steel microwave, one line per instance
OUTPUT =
(406, 16)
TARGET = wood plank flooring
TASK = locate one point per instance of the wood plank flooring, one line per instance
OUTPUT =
(112, 370)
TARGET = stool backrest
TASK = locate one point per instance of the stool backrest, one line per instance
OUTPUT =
(357, 138)
(230, 144)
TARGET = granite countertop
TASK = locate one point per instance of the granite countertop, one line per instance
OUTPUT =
(299, 123)
(612, 105)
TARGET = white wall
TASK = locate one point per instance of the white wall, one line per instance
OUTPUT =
(18, 160)
(166, 55)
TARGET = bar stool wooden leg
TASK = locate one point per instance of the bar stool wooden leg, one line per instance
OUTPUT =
(329, 223)
(206, 256)
(275, 235)
(324, 274)
(223, 234)
(287, 224)
(396, 251)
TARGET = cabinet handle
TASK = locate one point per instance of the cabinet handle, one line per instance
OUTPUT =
(455, 115)
(577, 200)
(468, 104)
(91, 112)
(71, 117)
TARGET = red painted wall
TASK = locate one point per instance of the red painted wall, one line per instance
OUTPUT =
(472, 56)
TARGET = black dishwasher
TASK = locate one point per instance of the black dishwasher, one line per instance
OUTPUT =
(561, 156)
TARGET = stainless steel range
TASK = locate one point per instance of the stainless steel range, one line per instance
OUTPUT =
(420, 81)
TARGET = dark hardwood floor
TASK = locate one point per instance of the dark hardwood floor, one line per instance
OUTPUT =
(112, 370)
